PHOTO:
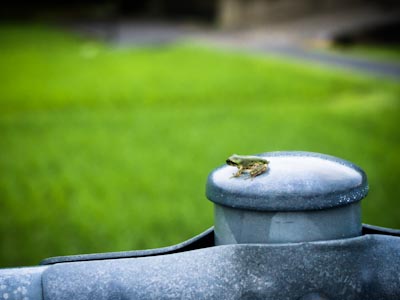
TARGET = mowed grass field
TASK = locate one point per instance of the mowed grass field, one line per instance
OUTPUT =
(106, 149)
(383, 53)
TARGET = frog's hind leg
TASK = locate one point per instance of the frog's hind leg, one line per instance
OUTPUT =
(258, 169)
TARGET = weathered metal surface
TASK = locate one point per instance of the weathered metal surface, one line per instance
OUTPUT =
(21, 283)
(365, 267)
(238, 226)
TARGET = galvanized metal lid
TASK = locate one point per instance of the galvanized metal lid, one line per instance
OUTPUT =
(294, 181)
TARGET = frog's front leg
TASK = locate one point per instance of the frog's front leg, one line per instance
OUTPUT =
(257, 169)
(239, 172)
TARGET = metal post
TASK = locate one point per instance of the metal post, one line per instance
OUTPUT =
(302, 197)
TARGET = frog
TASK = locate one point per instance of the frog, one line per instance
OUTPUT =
(254, 165)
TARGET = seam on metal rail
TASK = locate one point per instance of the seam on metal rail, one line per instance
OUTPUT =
(203, 240)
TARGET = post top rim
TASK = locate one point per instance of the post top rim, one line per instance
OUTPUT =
(294, 181)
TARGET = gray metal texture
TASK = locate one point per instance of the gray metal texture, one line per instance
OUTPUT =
(294, 181)
(239, 226)
(341, 269)
(365, 267)
(21, 283)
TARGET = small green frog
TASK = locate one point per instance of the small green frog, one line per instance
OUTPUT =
(254, 165)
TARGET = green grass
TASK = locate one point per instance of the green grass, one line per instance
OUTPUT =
(106, 149)
(376, 52)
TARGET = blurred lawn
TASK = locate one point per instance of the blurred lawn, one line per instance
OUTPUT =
(106, 149)
(376, 52)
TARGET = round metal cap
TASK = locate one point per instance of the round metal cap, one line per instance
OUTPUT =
(294, 181)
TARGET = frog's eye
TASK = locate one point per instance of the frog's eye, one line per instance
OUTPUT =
(229, 162)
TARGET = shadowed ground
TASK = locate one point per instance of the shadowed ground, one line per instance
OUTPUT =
(301, 39)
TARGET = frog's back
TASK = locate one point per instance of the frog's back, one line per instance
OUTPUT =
(256, 158)
(250, 160)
